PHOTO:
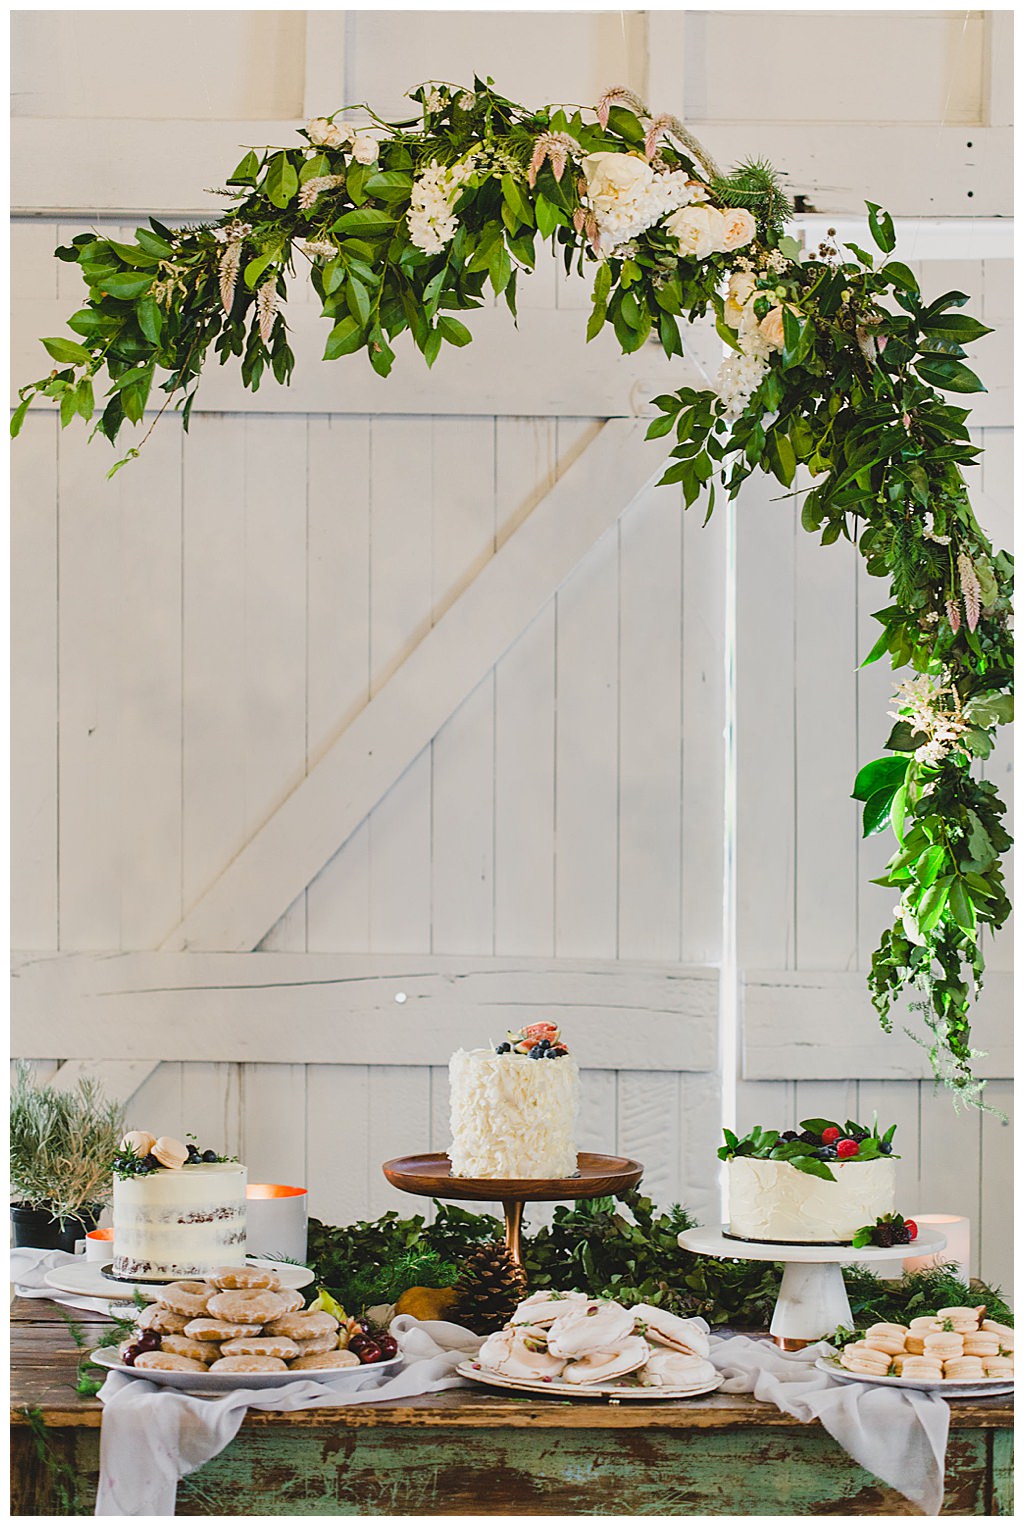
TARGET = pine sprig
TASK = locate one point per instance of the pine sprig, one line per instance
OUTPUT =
(754, 184)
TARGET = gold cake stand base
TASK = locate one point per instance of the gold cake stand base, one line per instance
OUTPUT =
(596, 1176)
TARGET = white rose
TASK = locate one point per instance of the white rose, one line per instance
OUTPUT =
(324, 134)
(615, 178)
(740, 227)
(741, 289)
(697, 229)
(364, 148)
(772, 329)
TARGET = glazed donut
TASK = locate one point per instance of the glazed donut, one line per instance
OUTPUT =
(200, 1351)
(233, 1279)
(964, 1369)
(247, 1306)
(188, 1298)
(163, 1321)
(218, 1330)
(318, 1343)
(249, 1364)
(303, 1326)
(261, 1345)
(324, 1361)
(293, 1299)
(166, 1361)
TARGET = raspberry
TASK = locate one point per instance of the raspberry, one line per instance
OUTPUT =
(911, 1228)
(829, 1136)
(846, 1148)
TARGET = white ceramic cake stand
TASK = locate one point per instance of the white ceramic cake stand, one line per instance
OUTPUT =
(812, 1301)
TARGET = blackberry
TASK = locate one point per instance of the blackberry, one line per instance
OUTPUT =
(901, 1235)
(151, 1163)
(885, 1235)
(789, 1134)
(808, 1138)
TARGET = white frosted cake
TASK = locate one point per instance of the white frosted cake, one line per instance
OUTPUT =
(179, 1223)
(513, 1110)
(773, 1201)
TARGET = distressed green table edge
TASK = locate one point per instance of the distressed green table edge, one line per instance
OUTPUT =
(477, 1452)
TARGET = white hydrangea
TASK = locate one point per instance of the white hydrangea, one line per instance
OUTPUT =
(738, 379)
(432, 223)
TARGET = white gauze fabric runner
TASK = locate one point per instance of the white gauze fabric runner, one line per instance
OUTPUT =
(899, 1434)
(152, 1436)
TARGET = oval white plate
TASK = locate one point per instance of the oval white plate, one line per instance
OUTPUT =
(583, 1390)
(223, 1382)
(87, 1280)
(948, 1388)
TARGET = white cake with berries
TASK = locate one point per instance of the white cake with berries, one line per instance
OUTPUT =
(514, 1108)
(819, 1187)
(771, 1200)
(178, 1220)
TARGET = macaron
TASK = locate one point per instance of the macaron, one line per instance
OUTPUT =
(885, 1328)
(862, 1359)
(944, 1344)
(891, 1344)
(983, 1343)
(963, 1369)
(923, 1324)
(914, 1344)
(997, 1366)
(923, 1369)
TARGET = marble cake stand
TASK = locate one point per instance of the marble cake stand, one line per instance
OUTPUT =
(812, 1300)
(596, 1176)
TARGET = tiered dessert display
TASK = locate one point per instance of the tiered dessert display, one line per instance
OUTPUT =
(513, 1118)
(567, 1343)
(803, 1199)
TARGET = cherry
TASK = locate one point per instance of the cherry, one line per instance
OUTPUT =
(388, 1346)
(369, 1353)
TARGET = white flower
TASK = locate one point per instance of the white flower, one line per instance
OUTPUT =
(698, 230)
(739, 227)
(325, 134)
(772, 330)
(738, 294)
(432, 224)
(624, 197)
(929, 530)
(613, 179)
(317, 248)
(364, 149)
(738, 378)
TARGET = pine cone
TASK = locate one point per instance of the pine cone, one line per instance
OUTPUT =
(489, 1286)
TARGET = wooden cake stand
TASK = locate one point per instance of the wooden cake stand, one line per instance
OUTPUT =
(430, 1176)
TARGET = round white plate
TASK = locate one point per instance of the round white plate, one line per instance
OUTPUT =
(87, 1280)
(620, 1390)
(223, 1382)
(946, 1389)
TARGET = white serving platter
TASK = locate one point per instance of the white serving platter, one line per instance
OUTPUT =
(343, 1379)
(947, 1388)
(88, 1280)
(618, 1390)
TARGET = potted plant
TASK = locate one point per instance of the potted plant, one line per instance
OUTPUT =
(62, 1146)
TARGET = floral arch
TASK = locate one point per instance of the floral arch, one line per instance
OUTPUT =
(834, 363)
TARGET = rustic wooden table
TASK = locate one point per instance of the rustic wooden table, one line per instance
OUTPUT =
(471, 1452)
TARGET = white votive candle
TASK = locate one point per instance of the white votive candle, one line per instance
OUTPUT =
(958, 1244)
(275, 1221)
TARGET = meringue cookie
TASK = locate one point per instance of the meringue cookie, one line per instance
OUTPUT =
(170, 1152)
(593, 1326)
(544, 1308)
(605, 1366)
(665, 1329)
(675, 1369)
(506, 1352)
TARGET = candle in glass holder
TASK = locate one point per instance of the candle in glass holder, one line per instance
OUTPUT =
(275, 1222)
(958, 1244)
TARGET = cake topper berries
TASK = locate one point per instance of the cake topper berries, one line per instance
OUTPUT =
(539, 1041)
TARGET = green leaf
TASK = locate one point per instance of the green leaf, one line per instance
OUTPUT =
(955, 326)
(18, 417)
(811, 1166)
(358, 300)
(548, 216)
(659, 426)
(882, 773)
(902, 275)
(255, 268)
(516, 200)
(281, 181)
(246, 171)
(84, 400)
(152, 243)
(389, 185)
(962, 907)
(928, 865)
(455, 332)
(151, 320)
(68, 407)
(898, 813)
(345, 338)
(862, 1237)
(877, 811)
(67, 352)
(369, 221)
(125, 284)
(668, 333)
(881, 227)
(932, 904)
(948, 374)
(818, 1125)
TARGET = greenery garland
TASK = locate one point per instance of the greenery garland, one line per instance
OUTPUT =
(837, 365)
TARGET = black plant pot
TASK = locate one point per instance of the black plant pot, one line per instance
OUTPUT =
(38, 1228)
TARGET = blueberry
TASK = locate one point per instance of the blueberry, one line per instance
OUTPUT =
(885, 1146)
(827, 1152)
(536, 1052)
(151, 1163)
(210, 1156)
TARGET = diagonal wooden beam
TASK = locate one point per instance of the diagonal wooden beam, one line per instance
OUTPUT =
(292, 846)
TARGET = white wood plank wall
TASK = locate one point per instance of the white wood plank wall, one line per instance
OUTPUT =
(191, 638)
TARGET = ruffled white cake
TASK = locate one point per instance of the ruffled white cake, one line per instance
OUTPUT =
(773, 1201)
(513, 1116)
(179, 1223)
